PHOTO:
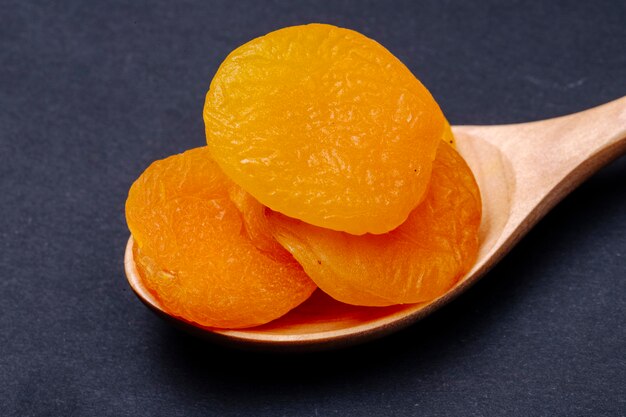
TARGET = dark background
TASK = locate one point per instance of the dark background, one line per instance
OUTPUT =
(92, 92)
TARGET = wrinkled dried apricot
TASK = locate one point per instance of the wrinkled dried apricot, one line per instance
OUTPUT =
(418, 261)
(196, 257)
(325, 125)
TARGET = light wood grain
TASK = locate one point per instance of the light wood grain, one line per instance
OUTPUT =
(522, 170)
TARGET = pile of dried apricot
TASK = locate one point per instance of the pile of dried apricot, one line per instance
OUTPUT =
(328, 164)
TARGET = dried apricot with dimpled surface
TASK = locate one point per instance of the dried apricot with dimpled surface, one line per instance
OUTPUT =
(418, 261)
(325, 125)
(194, 253)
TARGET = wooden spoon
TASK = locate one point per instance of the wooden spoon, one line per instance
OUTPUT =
(523, 170)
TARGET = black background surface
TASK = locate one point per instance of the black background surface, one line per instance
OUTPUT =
(92, 92)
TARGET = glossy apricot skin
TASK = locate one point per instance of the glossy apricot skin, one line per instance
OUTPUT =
(420, 260)
(195, 254)
(323, 124)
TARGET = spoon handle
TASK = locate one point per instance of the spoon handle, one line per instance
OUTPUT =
(549, 158)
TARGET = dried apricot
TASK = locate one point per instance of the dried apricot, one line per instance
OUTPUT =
(418, 261)
(194, 253)
(325, 125)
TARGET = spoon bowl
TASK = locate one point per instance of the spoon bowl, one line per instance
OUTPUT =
(522, 170)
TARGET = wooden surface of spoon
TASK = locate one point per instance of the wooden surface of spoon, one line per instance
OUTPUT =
(523, 170)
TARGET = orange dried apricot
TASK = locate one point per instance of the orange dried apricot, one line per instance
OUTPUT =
(418, 261)
(194, 253)
(325, 125)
